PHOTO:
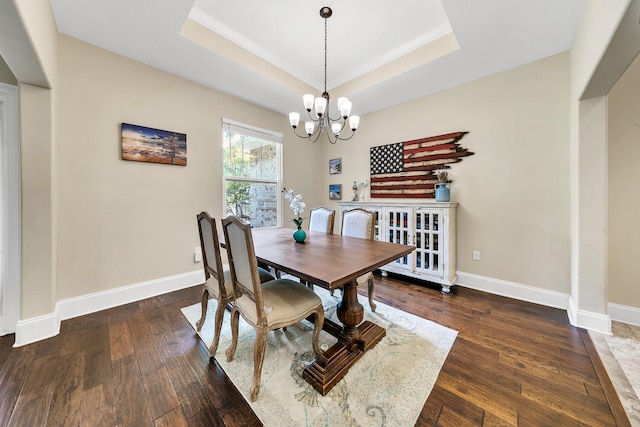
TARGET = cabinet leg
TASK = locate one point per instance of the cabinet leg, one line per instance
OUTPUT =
(446, 290)
(384, 273)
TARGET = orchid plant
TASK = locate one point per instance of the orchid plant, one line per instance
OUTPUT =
(296, 204)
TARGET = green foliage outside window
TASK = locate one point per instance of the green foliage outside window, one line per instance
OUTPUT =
(250, 169)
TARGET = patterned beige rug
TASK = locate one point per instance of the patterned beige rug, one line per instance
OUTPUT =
(387, 386)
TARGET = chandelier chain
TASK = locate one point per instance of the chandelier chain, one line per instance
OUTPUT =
(322, 122)
(325, 55)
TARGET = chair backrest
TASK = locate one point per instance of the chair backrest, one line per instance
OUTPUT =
(359, 223)
(243, 262)
(210, 245)
(321, 219)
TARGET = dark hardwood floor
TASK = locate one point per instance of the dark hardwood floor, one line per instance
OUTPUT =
(513, 363)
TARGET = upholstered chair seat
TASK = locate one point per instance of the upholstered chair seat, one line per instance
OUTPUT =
(283, 300)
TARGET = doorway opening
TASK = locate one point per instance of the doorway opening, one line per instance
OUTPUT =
(9, 210)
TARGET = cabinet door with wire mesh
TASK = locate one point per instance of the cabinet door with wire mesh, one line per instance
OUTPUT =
(428, 230)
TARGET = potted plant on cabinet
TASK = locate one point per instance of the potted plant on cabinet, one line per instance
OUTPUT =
(442, 189)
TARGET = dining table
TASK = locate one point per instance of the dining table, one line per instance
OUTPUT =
(331, 261)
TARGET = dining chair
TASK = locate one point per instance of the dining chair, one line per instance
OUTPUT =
(321, 219)
(361, 223)
(265, 306)
(218, 282)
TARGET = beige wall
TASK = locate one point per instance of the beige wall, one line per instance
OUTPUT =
(623, 189)
(519, 221)
(514, 192)
(123, 222)
(32, 47)
(6, 76)
(38, 201)
(111, 223)
(40, 26)
(604, 44)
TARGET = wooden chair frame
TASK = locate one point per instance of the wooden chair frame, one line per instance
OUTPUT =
(246, 282)
(217, 281)
(369, 233)
(213, 269)
(331, 214)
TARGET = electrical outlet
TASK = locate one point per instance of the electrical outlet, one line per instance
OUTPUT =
(476, 255)
(197, 254)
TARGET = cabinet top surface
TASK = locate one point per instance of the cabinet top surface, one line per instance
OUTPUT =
(433, 204)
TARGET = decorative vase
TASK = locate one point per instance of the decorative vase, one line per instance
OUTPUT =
(299, 235)
(442, 193)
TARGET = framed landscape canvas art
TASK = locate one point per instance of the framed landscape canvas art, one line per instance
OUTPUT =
(335, 191)
(335, 166)
(143, 144)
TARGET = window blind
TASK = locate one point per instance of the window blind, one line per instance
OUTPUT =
(229, 125)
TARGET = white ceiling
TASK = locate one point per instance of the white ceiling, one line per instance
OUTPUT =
(366, 39)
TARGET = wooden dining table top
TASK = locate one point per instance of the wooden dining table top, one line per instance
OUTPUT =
(331, 261)
(326, 260)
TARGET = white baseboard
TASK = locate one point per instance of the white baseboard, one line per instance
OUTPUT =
(624, 313)
(589, 320)
(580, 318)
(42, 327)
(513, 290)
(47, 326)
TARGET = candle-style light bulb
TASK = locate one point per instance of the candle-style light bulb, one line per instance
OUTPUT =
(307, 100)
(354, 121)
(321, 105)
(294, 119)
(309, 126)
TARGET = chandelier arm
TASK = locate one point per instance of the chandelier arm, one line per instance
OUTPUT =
(295, 130)
(317, 119)
(331, 138)
(313, 138)
(332, 119)
(346, 139)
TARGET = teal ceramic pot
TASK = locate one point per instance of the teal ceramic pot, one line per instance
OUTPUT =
(299, 235)
(442, 193)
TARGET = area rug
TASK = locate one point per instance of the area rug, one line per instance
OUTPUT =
(387, 386)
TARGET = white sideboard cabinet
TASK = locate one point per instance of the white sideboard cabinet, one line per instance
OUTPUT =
(430, 227)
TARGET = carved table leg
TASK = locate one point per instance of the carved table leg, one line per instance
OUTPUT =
(350, 312)
(354, 339)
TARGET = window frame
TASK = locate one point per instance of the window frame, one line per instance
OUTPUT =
(256, 132)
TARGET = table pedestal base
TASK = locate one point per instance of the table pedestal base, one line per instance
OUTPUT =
(328, 369)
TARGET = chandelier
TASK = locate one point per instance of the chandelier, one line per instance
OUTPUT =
(321, 121)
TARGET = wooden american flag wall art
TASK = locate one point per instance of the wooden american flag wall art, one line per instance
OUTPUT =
(406, 169)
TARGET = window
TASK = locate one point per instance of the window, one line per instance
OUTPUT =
(252, 170)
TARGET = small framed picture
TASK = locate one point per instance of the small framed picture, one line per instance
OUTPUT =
(335, 166)
(335, 191)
